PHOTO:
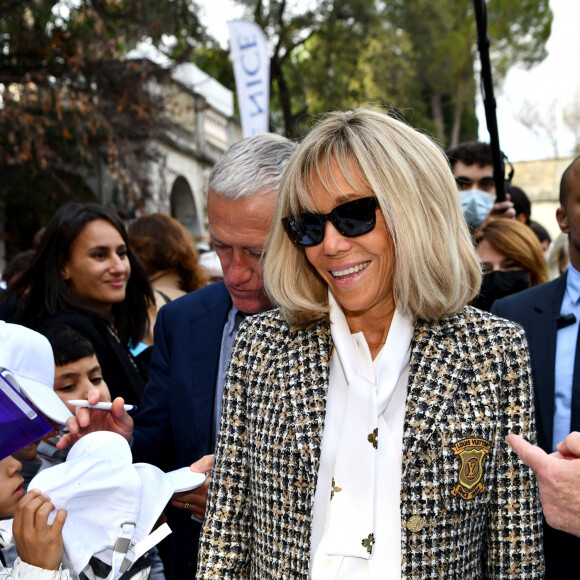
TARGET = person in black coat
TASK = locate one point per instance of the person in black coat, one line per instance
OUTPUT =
(84, 275)
(550, 315)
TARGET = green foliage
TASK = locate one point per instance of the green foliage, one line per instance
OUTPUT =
(71, 102)
(215, 61)
(28, 200)
(414, 56)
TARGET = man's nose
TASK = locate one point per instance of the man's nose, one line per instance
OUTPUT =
(240, 268)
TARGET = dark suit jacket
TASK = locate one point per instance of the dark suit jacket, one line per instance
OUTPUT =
(536, 310)
(174, 427)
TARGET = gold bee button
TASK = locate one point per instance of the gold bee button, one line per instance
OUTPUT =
(415, 524)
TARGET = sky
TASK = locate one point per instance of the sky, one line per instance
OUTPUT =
(550, 86)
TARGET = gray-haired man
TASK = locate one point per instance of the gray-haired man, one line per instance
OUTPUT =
(194, 335)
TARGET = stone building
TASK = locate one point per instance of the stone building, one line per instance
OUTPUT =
(201, 126)
(541, 182)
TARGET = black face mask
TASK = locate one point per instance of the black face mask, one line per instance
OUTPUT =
(498, 284)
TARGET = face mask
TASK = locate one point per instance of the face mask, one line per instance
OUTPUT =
(498, 284)
(475, 204)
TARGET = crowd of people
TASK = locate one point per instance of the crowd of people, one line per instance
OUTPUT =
(383, 385)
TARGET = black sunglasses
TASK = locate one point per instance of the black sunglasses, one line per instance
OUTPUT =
(351, 219)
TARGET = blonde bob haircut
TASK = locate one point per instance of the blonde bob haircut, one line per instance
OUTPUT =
(436, 270)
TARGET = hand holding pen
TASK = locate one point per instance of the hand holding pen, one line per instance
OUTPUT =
(102, 405)
(95, 414)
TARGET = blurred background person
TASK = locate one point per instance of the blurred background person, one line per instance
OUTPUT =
(559, 256)
(168, 254)
(511, 259)
(472, 166)
(11, 273)
(84, 275)
(522, 204)
(16, 266)
(544, 236)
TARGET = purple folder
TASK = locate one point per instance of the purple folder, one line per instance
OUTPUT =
(20, 423)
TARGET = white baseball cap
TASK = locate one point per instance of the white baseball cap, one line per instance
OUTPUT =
(27, 356)
(111, 503)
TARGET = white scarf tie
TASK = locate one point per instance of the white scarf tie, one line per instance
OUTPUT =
(351, 524)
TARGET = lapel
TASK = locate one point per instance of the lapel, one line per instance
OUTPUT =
(205, 336)
(541, 333)
(434, 366)
(307, 371)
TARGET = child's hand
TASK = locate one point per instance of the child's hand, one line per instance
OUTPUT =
(38, 543)
(89, 420)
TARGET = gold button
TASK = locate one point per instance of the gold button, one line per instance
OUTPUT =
(415, 524)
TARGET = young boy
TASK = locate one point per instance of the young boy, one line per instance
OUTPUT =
(39, 544)
(76, 370)
(26, 358)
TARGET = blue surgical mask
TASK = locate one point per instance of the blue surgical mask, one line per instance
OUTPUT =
(475, 205)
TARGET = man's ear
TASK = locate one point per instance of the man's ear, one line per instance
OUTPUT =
(562, 219)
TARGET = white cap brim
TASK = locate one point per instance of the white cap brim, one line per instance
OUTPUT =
(44, 399)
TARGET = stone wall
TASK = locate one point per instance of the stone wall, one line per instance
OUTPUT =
(541, 182)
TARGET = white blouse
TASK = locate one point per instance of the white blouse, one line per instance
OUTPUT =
(356, 529)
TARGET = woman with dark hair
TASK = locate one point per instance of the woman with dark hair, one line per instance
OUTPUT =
(168, 254)
(84, 275)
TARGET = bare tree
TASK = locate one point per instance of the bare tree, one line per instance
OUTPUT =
(542, 122)
(571, 118)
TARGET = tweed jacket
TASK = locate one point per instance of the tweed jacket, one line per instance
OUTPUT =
(469, 386)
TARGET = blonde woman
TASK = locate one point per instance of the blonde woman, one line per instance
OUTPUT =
(364, 420)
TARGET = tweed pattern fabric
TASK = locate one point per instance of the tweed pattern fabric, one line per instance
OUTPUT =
(469, 386)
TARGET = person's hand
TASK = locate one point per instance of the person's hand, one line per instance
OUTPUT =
(89, 420)
(502, 209)
(570, 447)
(558, 476)
(38, 543)
(194, 500)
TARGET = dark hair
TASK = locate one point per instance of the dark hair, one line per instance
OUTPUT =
(521, 202)
(541, 232)
(67, 344)
(564, 185)
(45, 292)
(161, 243)
(470, 153)
(17, 265)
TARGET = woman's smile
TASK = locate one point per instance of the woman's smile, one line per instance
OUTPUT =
(346, 272)
(359, 269)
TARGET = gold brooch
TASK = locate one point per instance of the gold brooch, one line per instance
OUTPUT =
(368, 543)
(335, 488)
(374, 437)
